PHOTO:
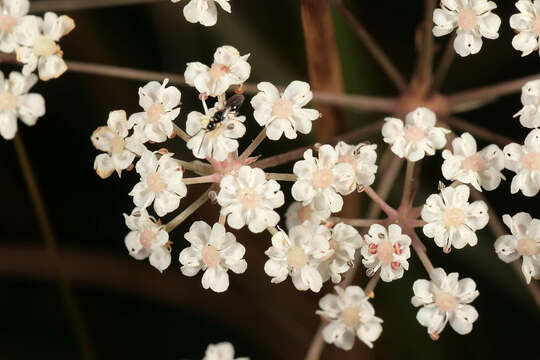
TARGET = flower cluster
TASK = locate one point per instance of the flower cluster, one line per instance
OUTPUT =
(34, 40)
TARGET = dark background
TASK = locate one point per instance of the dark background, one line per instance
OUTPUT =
(134, 312)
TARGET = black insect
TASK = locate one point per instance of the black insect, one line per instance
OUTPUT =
(232, 105)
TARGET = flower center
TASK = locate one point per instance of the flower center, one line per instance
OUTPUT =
(45, 46)
(414, 133)
(282, 109)
(146, 238)
(527, 247)
(249, 198)
(473, 163)
(7, 23)
(445, 301)
(217, 71)
(323, 178)
(8, 101)
(536, 25)
(467, 19)
(531, 161)
(296, 256)
(154, 112)
(453, 217)
(304, 213)
(155, 182)
(385, 252)
(117, 144)
(211, 256)
(349, 159)
(350, 317)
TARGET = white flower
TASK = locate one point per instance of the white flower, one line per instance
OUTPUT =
(473, 18)
(160, 104)
(452, 220)
(39, 49)
(160, 180)
(16, 102)
(297, 214)
(11, 12)
(481, 169)
(229, 68)
(218, 143)
(445, 299)
(349, 314)
(529, 115)
(204, 11)
(298, 254)
(248, 198)
(527, 24)
(321, 180)
(214, 251)
(147, 239)
(284, 113)
(417, 137)
(525, 162)
(120, 150)
(343, 243)
(362, 157)
(387, 250)
(221, 351)
(524, 242)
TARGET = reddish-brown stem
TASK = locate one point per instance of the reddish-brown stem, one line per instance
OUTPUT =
(376, 51)
(181, 133)
(388, 210)
(420, 250)
(425, 61)
(71, 5)
(296, 154)
(478, 131)
(444, 64)
(254, 144)
(212, 178)
(356, 222)
(491, 91)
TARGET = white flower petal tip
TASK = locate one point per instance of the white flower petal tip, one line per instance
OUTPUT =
(283, 113)
(473, 21)
(213, 251)
(445, 299)
(119, 149)
(527, 26)
(160, 183)
(249, 199)
(386, 250)
(204, 11)
(221, 351)
(349, 315)
(482, 169)
(228, 69)
(524, 243)
(451, 221)
(161, 107)
(38, 44)
(17, 103)
(322, 180)
(524, 161)
(415, 138)
(529, 115)
(147, 239)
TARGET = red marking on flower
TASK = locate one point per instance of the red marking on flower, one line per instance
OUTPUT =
(372, 249)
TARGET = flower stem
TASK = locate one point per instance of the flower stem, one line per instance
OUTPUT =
(212, 178)
(63, 281)
(424, 69)
(371, 284)
(222, 218)
(171, 225)
(478, 131)
(198, 167)
(376, 51)
(181, 133)
(356, 222)
(444, 64)
(391, 212)
(272, 230)
(63, 5)
(254, 144)
(281, 177)
(407, 185)
(420, 250)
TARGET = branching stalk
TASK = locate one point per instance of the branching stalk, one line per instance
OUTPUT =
(171, 225)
